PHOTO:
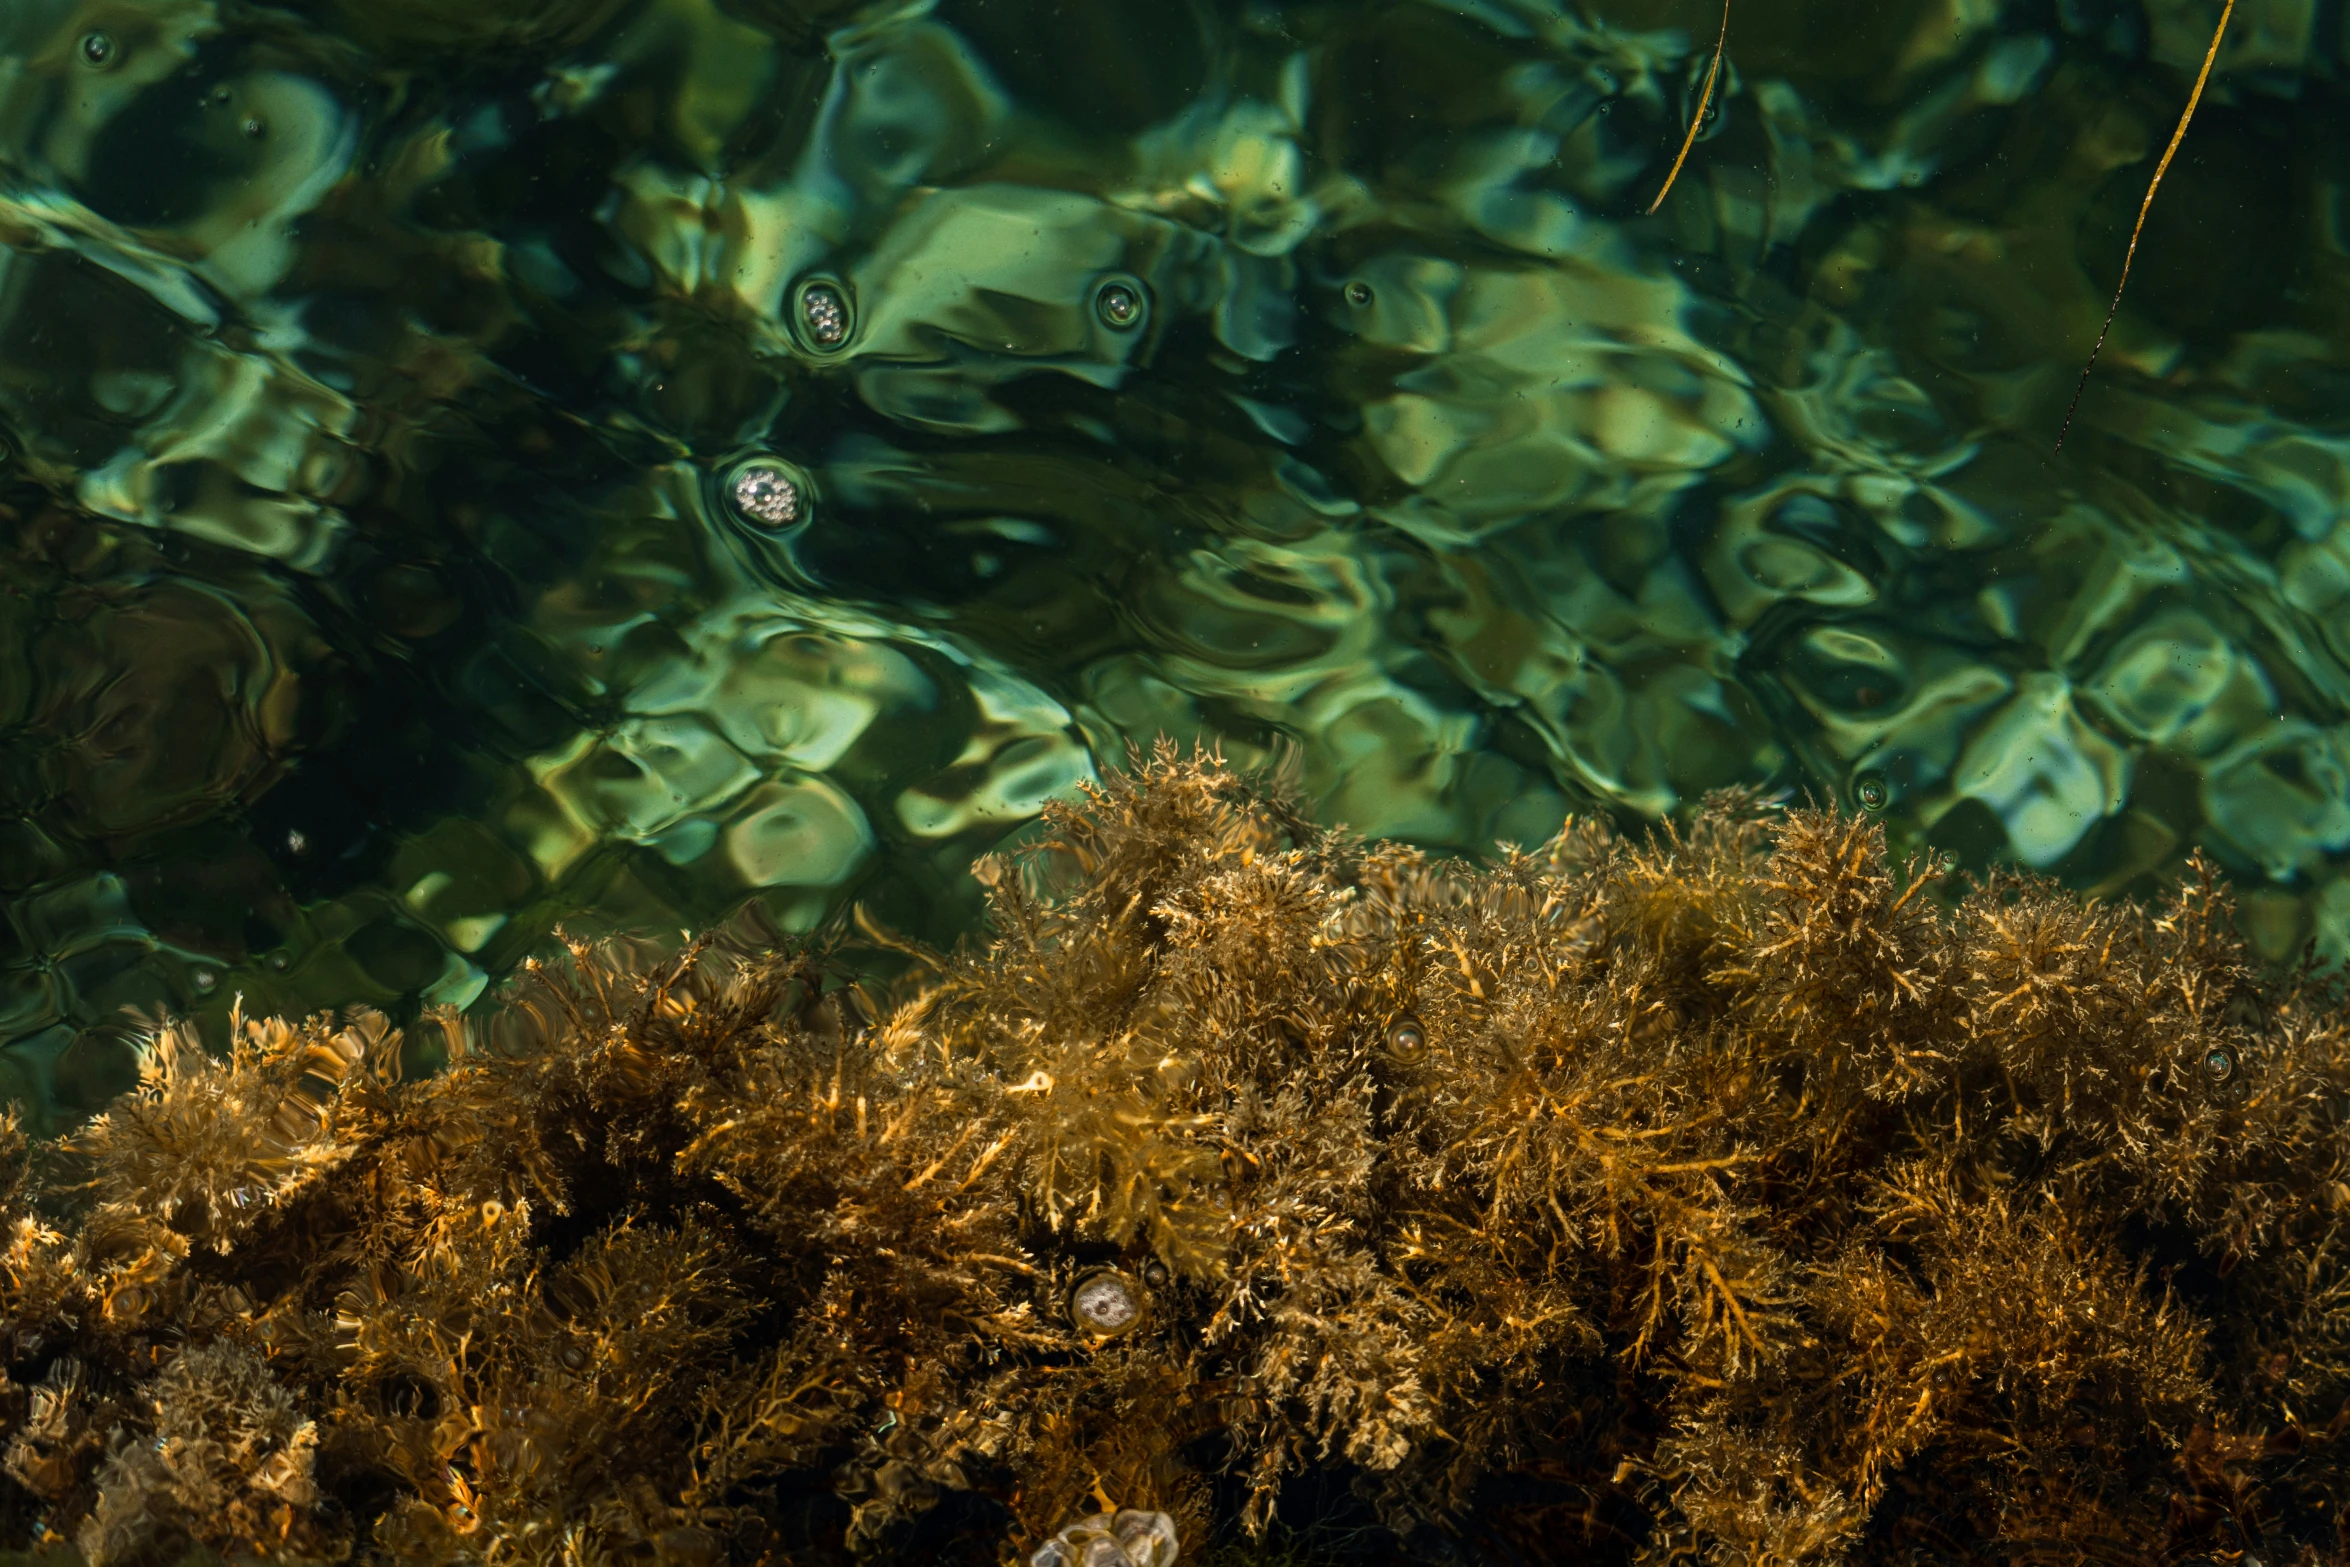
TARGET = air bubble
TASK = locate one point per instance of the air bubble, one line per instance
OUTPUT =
(1407, 1041)
(1119, 305)
(2218, 1065)
(1130, 1538)
(765, 495)
(255, 129)
(1872, 792)
(824, 314)
(1104, 1304)
(98, 49)
(1155, 1275)
(1358, 294)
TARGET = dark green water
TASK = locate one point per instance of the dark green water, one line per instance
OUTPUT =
(376, 376)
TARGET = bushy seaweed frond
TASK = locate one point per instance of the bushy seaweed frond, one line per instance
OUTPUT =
(1739, 1195)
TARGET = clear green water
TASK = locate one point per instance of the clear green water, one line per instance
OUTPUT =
(375, 373)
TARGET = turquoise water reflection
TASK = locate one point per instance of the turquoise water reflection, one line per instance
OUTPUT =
(377, 379)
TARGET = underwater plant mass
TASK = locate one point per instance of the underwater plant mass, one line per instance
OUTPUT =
(1739, 1195)
(474, 466)
(488, 487)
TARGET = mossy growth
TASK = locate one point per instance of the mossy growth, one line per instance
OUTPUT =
(1736, 1195)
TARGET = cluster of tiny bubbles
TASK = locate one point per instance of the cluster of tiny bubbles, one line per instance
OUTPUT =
(824, 313)
(2218, 1065)
(764, 493)
(1119, 303)
(1131, 1537)
(1358, 294)
(1872, 792)
(1407, 1041)
(1104, 1304)
(98, 49)
(205, 981)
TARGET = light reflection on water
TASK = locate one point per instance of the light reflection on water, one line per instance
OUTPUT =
(379, 382)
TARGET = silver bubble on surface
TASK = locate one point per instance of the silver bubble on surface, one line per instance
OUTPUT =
(766, 495)
(1105, 1304)
(826, 315)
(1132, 1537)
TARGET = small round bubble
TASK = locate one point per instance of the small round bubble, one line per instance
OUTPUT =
(255, 129)
(1104, 1304)
(1358, 294)
(825, 314)
(1155, 1275)
(2218, 1065)
(1118, 305)
(765, 496)
(98, 49)
(1872, 792)
(1407, 1040)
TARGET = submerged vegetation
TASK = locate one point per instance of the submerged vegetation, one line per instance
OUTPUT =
(1739, 1196)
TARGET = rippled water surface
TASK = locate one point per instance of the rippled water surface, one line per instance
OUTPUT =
(384, 582)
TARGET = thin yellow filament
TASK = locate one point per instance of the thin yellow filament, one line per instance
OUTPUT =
(1704, 102)
(2160, 169)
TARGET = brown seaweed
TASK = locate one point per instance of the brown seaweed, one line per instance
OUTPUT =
(1705, 102)
(2186, 117)
(1740, 1196)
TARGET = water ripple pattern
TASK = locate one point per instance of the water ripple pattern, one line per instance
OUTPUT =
(474, 465)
